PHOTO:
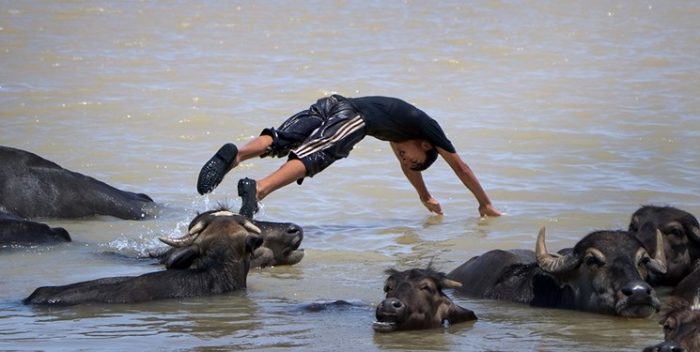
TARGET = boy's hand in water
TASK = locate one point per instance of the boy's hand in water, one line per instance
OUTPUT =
(433, 205)
(489, 210)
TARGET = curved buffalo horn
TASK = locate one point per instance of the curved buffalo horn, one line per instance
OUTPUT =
(447, 283)
(251, 227)
(197, 228)
(658, 262)
(553, 263)
(180, 242)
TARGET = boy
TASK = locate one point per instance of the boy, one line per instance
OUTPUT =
(315, 138)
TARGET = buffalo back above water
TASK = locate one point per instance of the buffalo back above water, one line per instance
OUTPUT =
(415, 300)
(31, 186)
(603, 273)
(15, 231)
(214, 258)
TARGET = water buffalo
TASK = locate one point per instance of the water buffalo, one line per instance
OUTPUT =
(280, 246)
(603, 273)
(212, 258)
(681, 319)
(15, 231)
(681, 323)
(414, 300)
(681, 234)
(31, 186)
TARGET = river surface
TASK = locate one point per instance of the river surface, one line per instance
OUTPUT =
(572, 114)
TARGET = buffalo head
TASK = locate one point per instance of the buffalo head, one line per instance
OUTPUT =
(414, 300)
(681, 323)
(280, 244)
(605, 273)
(281, 241)
(214, 235)
(681, 235)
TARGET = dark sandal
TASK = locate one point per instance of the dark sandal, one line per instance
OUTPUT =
(215, 169)
(248, 192)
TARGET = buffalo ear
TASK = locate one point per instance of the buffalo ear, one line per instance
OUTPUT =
(457, 314)
(181, 258)
(647, 235)
(252, 242)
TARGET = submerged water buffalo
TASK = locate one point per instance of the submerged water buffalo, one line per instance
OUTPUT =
(15, 231)
(212, 258)
(281, 241)
(603, 273)
(681, 323)
(414, 300)
(680, 318)
(31, 186)
(681, 234)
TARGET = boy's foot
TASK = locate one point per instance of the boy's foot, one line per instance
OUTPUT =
(215, 169)
(248, 192)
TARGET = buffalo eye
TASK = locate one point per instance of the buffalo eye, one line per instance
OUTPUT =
(675, 232)
(592, 260)
(426, 287)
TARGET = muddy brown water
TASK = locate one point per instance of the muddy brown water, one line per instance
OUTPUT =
(572, 114)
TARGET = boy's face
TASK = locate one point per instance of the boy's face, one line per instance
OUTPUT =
(410, 153)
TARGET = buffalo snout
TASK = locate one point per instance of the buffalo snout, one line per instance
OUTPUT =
(295, 230)
(638, 299)
(666, 346)
(637, 289)
(281, 244)
(389, 312)
(295, 234)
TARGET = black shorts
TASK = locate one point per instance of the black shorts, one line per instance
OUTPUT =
(319, 136)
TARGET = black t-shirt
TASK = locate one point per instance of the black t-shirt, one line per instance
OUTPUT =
(394, 120)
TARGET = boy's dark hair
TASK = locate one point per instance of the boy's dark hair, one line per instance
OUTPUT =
(430, 157)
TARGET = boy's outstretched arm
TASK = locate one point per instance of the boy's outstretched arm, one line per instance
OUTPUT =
(465, 174)
(416, 179)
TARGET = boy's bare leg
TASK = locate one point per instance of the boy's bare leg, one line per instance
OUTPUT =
(256, 147)
(289, 172)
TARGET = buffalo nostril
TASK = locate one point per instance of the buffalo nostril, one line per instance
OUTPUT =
(636, 288)
(671, 347)
(295, 230)
(396, 304)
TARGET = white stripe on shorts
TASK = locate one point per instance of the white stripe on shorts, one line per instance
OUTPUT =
(316, 145)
